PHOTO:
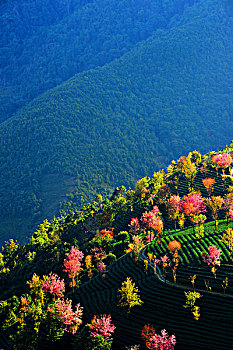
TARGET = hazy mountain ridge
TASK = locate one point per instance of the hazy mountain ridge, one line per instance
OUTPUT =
(48, 42)
(114, 124)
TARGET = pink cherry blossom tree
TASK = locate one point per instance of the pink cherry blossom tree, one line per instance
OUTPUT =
(98, 253)
(100, 333)
(213, 258)
(231, 212)
(157, 341)
(72, 264)
(53, 285)
(163, 341)
(174, 207)
(71, 319)
(101, 266)
(134, 226)
(228, 207)
(192, 206)
(102, 325)
(153, 221)
(165, 262)
(222, 160)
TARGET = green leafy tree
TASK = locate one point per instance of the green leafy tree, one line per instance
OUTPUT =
(214, 204)
(191, 298)
(129, 295)
(41, 236)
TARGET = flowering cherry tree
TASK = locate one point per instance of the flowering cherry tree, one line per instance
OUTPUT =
(193, 205)
(213, 258)
(101, 268)
(152, 221)
(53, 285)
(157, 341)
(72, 264)
(228, 207)
(222, 160)
(71, 319)
(165, 262)
(102, 325)
(173, 208)
(163, 341)
(134, 226)
(101, 330)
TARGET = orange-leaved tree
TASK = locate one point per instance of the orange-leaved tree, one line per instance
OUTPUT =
(209, 185)
(174, 246)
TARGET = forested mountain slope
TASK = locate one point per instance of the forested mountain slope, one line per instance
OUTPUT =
(112, 125)
(159, 255)
(43, 43)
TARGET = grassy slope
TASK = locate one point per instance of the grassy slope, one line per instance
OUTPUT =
(114, 124)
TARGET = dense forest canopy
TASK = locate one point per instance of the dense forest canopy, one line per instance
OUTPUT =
(168, 90)
(50, 41)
